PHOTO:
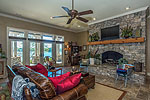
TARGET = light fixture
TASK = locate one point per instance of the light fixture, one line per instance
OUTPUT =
(51, 17)
(78, 25)
(94, 18)
(127, 8)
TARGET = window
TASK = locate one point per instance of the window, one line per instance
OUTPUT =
(34, 36)
(59, 49)
(48, 49)
(59, 38)
(48, 37)
(34, 53)
(59, 53)
(16, 52)
(28, 47)
(14, 33)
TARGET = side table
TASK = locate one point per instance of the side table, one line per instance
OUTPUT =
(54, 71)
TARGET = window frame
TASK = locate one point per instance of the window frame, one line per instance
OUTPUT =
(26, 40)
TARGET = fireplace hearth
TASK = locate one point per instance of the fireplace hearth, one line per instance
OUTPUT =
(111, 57)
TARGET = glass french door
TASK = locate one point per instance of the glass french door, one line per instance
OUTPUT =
(35, 51)
(59, 53)
(29, 48)
(48, 50)
(38, 51)
(17, 52)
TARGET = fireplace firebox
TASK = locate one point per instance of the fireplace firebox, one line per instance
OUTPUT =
(111, 57)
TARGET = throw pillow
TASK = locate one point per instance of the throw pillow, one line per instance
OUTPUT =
(58, 79)
(41, 69)
(68, 83)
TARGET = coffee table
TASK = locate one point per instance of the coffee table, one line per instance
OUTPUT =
(87, 79)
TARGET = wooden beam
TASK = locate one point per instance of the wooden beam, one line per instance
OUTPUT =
(118, 41)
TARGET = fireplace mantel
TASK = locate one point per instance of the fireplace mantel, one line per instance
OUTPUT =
(118, 41)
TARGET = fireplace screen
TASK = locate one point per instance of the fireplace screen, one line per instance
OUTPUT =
(111, 57)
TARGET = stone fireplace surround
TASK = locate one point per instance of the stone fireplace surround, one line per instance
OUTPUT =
(130, 51)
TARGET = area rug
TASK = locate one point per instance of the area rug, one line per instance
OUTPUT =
(104, 92)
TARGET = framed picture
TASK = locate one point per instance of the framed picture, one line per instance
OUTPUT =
(66, 52)
(84, 47)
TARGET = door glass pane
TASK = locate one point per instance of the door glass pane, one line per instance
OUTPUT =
(59, 53)
(34, 35)
(16, 52)
(16, 33)
(47, 49)
(48, 37)
(34, 53)
(59, 38)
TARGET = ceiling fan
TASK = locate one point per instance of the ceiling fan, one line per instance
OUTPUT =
(75, 14)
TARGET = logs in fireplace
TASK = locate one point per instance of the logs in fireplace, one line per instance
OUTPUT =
(111, 57)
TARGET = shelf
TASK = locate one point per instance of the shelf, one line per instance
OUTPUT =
(118, 41)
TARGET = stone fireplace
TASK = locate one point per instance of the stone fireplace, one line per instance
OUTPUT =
(133, 52)
(111, 57)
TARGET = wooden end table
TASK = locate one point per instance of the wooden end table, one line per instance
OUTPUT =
(55, 70)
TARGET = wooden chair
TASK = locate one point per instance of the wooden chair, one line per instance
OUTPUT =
(52, 63)
(125, 71)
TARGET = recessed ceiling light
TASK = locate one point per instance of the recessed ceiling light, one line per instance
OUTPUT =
(127, 8)
(78, 25)
(51, 17)
(94, 18)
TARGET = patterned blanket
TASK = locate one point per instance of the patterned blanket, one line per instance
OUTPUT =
(17, 88)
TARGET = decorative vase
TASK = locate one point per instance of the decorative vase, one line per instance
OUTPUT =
(91, 61)
(97, 61)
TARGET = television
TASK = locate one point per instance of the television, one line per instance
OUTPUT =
(110, 33)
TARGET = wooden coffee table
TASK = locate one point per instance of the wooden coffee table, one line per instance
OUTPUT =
(54, 71)
(89, 81)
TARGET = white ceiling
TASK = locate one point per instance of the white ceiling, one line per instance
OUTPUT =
(42, 10)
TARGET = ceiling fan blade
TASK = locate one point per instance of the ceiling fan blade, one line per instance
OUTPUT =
(69, 21)
(67, 10)
(82, 19)
(59, 16)
(85, 12)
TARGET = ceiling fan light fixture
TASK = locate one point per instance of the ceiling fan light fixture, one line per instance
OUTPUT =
(94, 18)
(51, 17)
(72, 13)
(127, 8)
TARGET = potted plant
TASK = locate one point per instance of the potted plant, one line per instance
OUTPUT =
(93, 37)
(122, 61)
(127, 32)
(97, 59)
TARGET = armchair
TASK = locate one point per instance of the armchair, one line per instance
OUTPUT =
(124, 70)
